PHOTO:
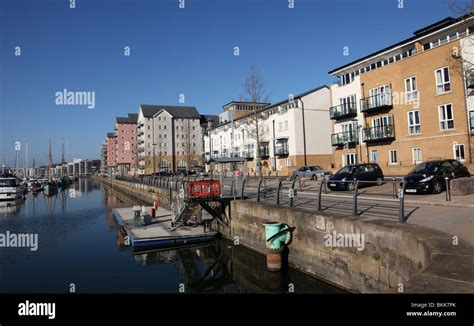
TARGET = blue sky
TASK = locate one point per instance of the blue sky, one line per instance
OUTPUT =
(174, 51)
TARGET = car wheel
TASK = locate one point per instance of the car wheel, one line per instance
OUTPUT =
(351, 186)
(313, 177)
(379, 181)
(437, 187)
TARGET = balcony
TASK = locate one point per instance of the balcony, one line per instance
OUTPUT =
(345, 110)
(248, 154)
(376, 103)
(378, 134)
(343, 138)
(470, 81)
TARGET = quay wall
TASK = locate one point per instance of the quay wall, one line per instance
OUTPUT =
(395, 258)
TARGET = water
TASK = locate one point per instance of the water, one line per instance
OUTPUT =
(79, 247)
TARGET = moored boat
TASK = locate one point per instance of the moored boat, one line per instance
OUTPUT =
(11, 187)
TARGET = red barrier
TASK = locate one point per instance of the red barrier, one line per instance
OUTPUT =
(209, 188)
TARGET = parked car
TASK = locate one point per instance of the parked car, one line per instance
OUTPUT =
(313, 172)
(429, 177)
(345, 177)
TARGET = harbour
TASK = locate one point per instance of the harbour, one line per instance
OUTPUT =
(80, 245)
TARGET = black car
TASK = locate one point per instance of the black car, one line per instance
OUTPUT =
(429, 177)
(345, 177)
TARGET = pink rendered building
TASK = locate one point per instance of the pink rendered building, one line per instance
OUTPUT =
(126, 150)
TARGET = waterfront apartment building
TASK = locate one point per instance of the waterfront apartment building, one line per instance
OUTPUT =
(169, 138)
(111, 141)
(126, 144)
(103, 159)
(291, 133)
(406, 103)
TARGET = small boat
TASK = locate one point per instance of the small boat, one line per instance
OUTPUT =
(36, 187)
(51, 188)
(11, 187)
(63, 182)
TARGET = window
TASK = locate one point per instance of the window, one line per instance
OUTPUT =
(446, 118)
(288, 162)
(286, 125)
(416, 155)
(443, 83)
(411, 93)
(374, 156)
(392, 156)
(459, 153)
(414, 122)
(349, 159)
(280, 126)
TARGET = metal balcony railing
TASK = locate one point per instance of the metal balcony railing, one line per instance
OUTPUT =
(376, 102)
(344, 110)
(378, 133)
(281, 150)
(342, 138)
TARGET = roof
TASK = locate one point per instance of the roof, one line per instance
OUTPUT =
(226, 159)
(417, 34)
(208, 117)
(110, 134)
(275, 104)
(132, 118)
(189, 112)
(246, 102)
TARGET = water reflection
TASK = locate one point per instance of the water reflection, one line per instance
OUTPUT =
(79, 242)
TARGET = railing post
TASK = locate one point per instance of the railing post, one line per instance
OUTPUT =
(320, 194)
(258, 191)
(278, 191)
(243, 187)
(401, 195)
(292, 193)
(448, 189)
(354, 205)
(232, 187)
(394, 188)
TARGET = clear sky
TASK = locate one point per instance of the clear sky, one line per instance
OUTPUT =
(173, 51)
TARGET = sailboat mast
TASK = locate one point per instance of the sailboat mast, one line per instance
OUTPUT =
(49, 160)
(62, 156)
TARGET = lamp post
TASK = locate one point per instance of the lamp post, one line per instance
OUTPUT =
(153, 144)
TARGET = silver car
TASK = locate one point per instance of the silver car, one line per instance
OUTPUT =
(312, 172)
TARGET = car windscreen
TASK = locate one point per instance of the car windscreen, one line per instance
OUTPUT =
(7, 183)
(346, 169)
(315, 168)
(428, 167)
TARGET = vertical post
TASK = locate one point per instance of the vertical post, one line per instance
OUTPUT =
(320, 194)
(243, 187)
(258, 190)
(401, 195)
(448, 190)
(278, 191)
(292, 193)
(354, 205)
(394, 188)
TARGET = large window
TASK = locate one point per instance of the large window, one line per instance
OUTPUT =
(164, 166)
(411, 92)
(459, 153)
(416, 155)
(443, 83)
(181, 165)
(414, 122)
(446, 117)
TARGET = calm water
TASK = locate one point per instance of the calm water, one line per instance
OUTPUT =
(78, 243)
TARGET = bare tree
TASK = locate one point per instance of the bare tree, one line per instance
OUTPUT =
(458, 66)
(254, 88)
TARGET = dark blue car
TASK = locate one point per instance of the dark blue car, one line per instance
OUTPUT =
(345, 178)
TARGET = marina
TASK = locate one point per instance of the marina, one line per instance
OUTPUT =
(81, 243)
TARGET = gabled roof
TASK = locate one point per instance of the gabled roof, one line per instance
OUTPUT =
(110, 135)
(176, 111)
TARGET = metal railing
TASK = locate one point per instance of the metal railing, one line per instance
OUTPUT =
(343, 138)
(378, 133)
(343, 110)
(375, 102)
(316, 195)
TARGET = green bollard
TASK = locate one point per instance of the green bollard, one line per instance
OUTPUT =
(277, 235)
